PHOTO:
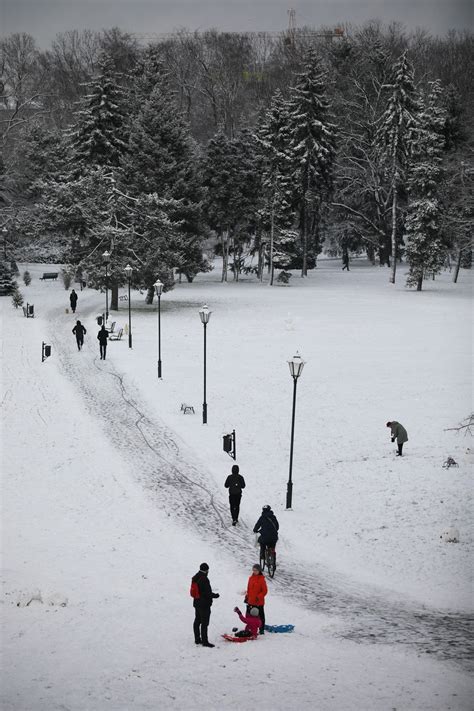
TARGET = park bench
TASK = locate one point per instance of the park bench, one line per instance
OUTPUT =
(111, 329)
(187, 409)
(116, 336)
(123, 298)
(49, 275)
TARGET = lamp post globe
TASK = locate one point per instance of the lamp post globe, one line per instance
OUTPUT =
(128, 272)
(106, 262)
(296, 365)
(204, 315)
(158, 285)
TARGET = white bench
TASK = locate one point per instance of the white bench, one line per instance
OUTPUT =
(116, 335)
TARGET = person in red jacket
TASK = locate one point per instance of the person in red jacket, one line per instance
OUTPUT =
(252, 622)
(256, 591)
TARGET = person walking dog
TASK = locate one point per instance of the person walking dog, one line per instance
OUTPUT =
(235, 482)
(399, 433)
(102, 337)
(79, 331)
(203, 596)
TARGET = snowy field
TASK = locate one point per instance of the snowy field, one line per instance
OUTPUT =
(112, 497)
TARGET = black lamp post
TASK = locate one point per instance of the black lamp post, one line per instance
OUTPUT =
(106, 262)
(158, 291)
(296, 365)
(128, 271)
(205, 315)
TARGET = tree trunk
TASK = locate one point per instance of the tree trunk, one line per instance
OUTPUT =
(457, 267)
(272, 236)
(304, 243)
(225, 254)
(394, 231)
(114, 297)
(419, 283)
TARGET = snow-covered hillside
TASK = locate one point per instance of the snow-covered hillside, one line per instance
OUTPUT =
(112, 497)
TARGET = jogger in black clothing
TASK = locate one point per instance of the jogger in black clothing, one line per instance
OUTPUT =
(73, 301)
(102, 337)
(79, 330)
(235, 482)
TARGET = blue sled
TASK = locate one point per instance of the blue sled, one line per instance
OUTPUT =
(279, 628)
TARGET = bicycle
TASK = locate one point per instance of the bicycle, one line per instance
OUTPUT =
(268, 559)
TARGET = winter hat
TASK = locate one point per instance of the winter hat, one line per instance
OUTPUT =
(235, 469)
(389, 424)
(254, 611)
(257, 567)
(204, 567)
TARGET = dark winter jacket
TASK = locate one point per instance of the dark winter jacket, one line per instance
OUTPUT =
(398, 432)
(79, 330)
(103, 336)
(205, 591)
(267, 525)
(73, 298)
(235, 483)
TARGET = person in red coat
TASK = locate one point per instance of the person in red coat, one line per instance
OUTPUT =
(256, 591)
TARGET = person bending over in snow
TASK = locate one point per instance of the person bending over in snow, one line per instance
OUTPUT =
(252, 622)
(399, 433)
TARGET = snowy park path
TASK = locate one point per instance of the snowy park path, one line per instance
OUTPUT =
(166, 468)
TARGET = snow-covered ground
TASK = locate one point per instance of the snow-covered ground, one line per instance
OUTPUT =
(111, 497)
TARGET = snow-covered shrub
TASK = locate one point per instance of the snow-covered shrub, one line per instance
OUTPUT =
(66, 275)
(450, 535)
(7, 283)
(283, 277)
(17, 298)
(27, 278)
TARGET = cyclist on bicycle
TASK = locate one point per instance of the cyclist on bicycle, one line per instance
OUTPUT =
(267, 525)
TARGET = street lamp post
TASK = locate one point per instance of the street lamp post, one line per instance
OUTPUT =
(296, 365)
(128, 271)
(205, 315)
(158, 291)
(106, 261)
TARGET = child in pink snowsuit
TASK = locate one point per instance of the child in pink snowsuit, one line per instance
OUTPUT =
(252, 623)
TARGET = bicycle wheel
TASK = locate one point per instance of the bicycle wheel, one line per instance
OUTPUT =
(271, 562)
(262, 559)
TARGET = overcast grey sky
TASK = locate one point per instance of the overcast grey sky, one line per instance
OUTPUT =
(44, 18)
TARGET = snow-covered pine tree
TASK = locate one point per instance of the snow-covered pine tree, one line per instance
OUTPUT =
(312, 150)
(99, 136)
(17, 297)
(425, 251)
(7, 283)
(162, 160)
(395, 134)
(273, 143)
(26, 277)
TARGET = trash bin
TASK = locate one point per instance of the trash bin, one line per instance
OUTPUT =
(99, 320)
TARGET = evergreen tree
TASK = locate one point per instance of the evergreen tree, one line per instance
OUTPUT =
(17, 297)
(161, 160)
(425, 250)
(7, 283)
(273, 142)
(99, 136)
(395, 134)
(312, 150)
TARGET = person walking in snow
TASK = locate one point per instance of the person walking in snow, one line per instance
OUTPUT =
(256, 591)
(252, 622)
(79, 331)
(102, 338)
(73, 301)
(202, 606)
(267, 525)
(399, 433)
(235, 482)
(345, 261)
